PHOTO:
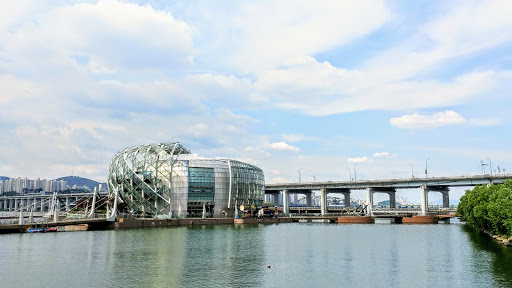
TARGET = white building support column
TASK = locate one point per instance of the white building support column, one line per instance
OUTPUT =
(446, 199)
(11, 205)
(20, 220)
(286, 202)
(57, 203)
(16, 204)
(424, 200)
(323, 201)
(369, 196)
(68, 203)
(41, 204)
(369, 201)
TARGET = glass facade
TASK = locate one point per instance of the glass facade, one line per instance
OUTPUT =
(151, 180)
(201, 184)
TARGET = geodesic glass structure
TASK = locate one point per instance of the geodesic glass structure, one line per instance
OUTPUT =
(160, 180)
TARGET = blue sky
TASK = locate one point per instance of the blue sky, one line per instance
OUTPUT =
(318, 85)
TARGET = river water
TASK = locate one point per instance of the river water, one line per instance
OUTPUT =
(300, 255)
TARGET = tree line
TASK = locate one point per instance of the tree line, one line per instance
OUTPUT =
(488, 208)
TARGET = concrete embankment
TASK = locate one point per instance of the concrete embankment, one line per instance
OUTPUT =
(507, 241)
(126, 223)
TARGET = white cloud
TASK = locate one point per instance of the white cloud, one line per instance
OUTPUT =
(14, 89)
(460, 31)
(339, 90)
(417, 121)
(277, 180)
(267, 34)
(282, 146)
(297, 137)
(482, 122)
(381, 154)
(107, 34)
(80, 82)
(359, 160)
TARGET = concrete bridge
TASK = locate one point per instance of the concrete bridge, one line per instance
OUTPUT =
(435, 184)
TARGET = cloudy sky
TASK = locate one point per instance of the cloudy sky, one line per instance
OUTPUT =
(335, 89)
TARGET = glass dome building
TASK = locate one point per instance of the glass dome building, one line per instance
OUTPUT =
(160, 180)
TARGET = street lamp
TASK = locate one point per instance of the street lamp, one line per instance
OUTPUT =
(299, 173)
(426, 168)
(490, 164)
(350, 173)
(355, 173)
(412, 171)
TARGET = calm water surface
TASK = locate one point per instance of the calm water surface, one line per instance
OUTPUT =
(300, 255)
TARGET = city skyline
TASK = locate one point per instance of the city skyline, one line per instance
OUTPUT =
(321, 91)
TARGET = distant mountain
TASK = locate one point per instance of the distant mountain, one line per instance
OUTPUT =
(383, 203)
(4, 178)
(81, 182)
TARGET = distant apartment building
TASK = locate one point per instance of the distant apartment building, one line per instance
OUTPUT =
(402, 201)
(24, 186)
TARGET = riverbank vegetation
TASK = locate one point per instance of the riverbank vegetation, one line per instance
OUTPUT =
(488, 208)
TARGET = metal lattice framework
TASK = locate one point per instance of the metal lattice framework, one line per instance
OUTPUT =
(142, 177)
(150, 180)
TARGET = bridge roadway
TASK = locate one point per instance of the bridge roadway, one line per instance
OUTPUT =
(434, 184)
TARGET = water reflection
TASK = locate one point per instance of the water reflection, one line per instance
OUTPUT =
(300, 255)
(223, 256)
(501, 256)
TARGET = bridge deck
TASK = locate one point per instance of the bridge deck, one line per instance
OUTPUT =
(393, 183)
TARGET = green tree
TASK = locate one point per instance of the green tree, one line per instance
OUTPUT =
(488, 208)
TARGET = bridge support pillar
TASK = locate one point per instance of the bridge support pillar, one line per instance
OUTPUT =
(392, 199)
(41, 204)
(424, 200)
(323, 201)
(57, 204)
(309, 199)
(369, 196)
(346, 199)
(68, 203)
(16, 204)
(446, 199)
(286, 202)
